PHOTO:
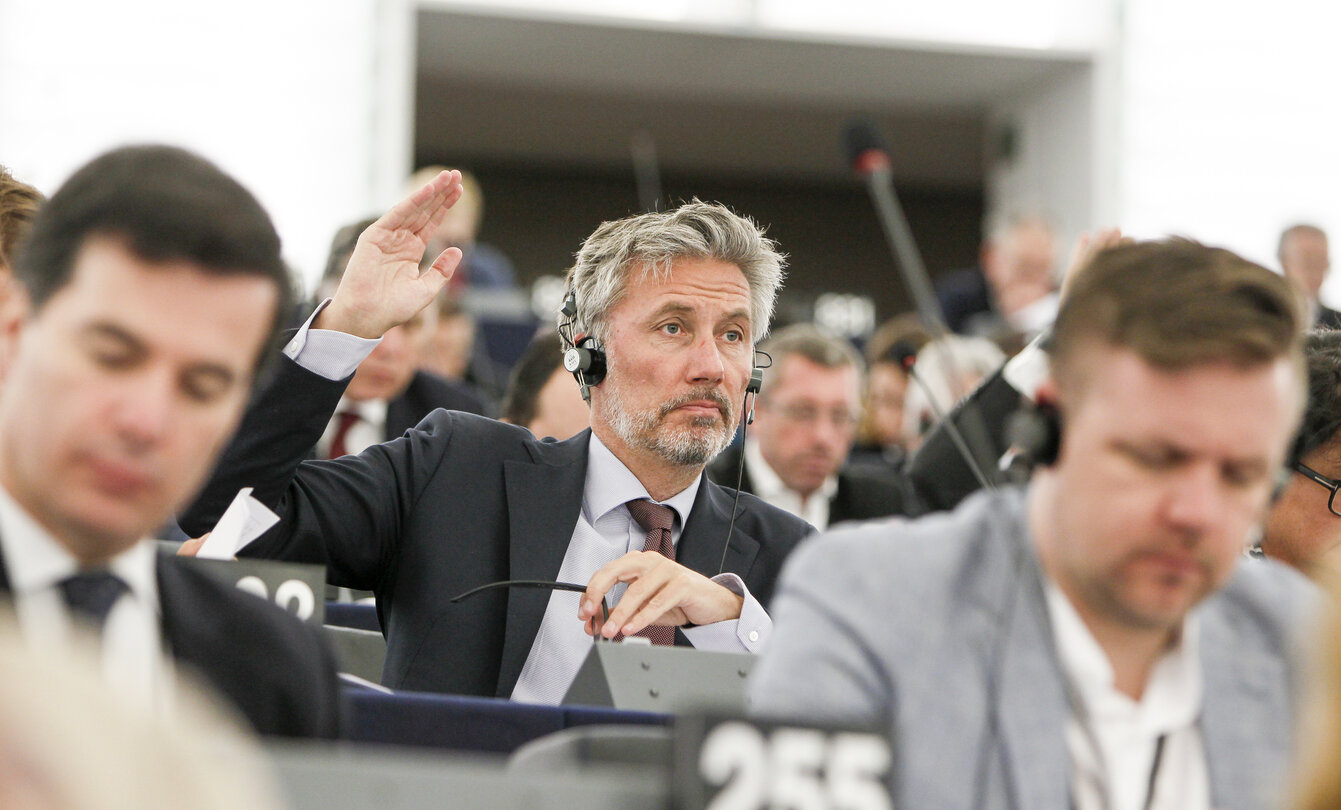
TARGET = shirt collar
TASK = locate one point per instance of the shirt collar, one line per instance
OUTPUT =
(768, 486)
(372, 411)
(1172, 697)
(610, 485)
(34, 560)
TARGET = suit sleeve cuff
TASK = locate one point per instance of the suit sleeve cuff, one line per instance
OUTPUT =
(748, 634)
(326, 352)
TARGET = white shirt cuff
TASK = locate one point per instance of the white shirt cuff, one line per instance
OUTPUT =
(326, 352)
(748, 634)
(1027, 370)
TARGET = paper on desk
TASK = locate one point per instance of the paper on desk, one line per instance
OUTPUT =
(244, 521)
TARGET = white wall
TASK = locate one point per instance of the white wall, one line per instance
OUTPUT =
(1231, 118)
(296, 98)
(1052, 168)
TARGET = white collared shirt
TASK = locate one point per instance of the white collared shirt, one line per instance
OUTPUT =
(370, 428)
(771, 490)
(132, 647)
(1113, 739)
(605, 531)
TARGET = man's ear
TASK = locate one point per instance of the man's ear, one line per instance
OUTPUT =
(1047, 393)
(15, 309)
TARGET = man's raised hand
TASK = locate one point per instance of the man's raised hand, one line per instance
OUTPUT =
(383, 286)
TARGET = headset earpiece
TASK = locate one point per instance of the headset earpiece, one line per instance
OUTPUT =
(586, 362)
(1035, 433)
(583, 359)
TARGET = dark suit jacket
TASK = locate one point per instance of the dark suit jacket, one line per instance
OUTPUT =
(1327, 317)
(862, 494)
(457, 503)
(425, 394)
(962, 294)
(276, 670)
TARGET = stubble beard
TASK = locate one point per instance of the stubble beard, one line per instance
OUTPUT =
(691, 445)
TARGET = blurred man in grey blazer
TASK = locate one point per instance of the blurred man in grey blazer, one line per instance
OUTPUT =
(1096, 640)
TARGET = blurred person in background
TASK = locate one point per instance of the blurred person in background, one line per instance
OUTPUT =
(1304, 525)
(18, 205)
(68, 742)
(542, 395)
(451, 349)
(389, 393)
(1012, 295)
(889, 354)
(947, 370)
(1317, 781)
(483, 266)
(795, 453)
(1304, 258)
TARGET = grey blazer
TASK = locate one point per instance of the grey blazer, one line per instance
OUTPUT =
(938, 631)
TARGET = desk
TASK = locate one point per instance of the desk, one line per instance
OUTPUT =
(464, 723)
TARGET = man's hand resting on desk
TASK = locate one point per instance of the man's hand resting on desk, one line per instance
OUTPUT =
(660, 592)
(382, 286)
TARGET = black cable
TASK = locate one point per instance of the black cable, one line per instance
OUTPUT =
(956, 438)
(745, 419)
(540, 584)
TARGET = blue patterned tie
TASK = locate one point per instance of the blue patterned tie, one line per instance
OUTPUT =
(91, 594)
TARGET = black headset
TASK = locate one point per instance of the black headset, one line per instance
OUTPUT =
(586, 361)
(1035, 433)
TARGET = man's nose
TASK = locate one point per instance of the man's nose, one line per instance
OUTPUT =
(1196, 499)
(146, 407)
(705, 362)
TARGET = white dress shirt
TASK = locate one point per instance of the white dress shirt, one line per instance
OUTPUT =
(769, 488)
(604, 532)
(133, 660)
(1114, 740)
(370, 428)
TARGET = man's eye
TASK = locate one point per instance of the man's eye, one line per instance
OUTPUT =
(203, 387)
(1243, 475)
(733, 336)
(671, 329)
(113, 359)
(1152, 459)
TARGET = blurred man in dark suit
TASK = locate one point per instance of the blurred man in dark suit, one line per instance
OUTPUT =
(1305, 260)
(805, 423)
(149, 292)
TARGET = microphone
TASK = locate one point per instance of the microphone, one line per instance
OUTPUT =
(869, 157)
(865, 149)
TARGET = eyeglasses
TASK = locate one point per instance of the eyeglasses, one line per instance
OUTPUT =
(840, 418)
(1322, 480)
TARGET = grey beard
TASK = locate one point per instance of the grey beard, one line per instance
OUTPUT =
(682, 447)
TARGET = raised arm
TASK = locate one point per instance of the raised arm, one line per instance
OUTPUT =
(383, 286)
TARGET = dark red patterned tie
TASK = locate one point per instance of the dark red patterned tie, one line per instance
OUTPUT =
(655, 519)
(344, 421)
